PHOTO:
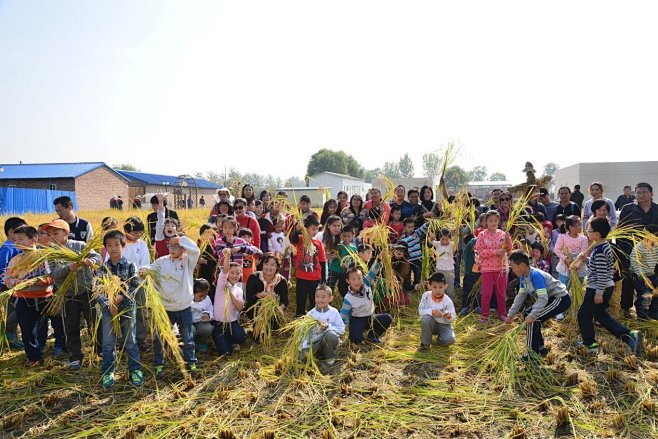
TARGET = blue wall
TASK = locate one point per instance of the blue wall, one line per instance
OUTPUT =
(14, 201)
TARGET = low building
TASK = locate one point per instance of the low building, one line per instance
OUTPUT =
(340, 182)
(184, 191)
(408, 183)
(482, 189)
(613, 175)
(94, 183)
(318, 195)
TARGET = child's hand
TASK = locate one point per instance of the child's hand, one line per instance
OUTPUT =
(598, 299)
(205, 317)
(437, 313)
(323, 325)
(174, 241)
(118, 299)
(508, 320)
(226, 252)
(113, 309)
(160, 198)
(74, 266)
(530, 320)
(234, 250)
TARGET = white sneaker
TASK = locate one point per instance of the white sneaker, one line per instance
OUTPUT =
(75, 365)
(236, 348)
(330, 361)
(559, 317)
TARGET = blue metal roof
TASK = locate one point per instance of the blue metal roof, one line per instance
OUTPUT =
(47, 170)
(159, 180)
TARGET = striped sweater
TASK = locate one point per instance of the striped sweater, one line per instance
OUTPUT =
(361, 303)
(601, 268)
(414, 242)
(644, 259)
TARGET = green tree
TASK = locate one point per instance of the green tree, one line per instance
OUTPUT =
(550, 168)
(431, 165)
(478, 173)
(456, 177)
(371, 174)
(498, 176)
(406, 166)
(326, 160)
(391, 170)
(125, 167)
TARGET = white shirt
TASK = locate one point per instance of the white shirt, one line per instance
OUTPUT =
(444, 256)
(176, 277)
(138, 254)
(201, 308)
(278, 243)
(331, 317)
(427, 305)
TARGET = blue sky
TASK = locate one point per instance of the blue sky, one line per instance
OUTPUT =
(182, 87)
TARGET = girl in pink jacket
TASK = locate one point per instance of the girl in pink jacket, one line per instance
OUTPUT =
(492, 246)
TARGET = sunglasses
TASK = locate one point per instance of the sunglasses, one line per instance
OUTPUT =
(505, 199)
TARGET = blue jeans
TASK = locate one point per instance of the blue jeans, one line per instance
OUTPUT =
(646, 305)
(34, 326)
(184, 320)
(126, 317)
(225, 335)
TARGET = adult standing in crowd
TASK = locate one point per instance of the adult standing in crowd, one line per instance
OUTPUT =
(577, 196)
(79, 229)
(152, 217)
(428, 207)
(202, 202)
(639, 214)
(406, 209)
(626, 198)
(596, 191)
(565, 207)
(549, 205)
(376, 201)
(495, 199)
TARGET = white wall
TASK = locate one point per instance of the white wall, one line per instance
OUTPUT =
(336, 183)
(614, 176)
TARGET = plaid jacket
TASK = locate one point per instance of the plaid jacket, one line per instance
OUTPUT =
(127, 272)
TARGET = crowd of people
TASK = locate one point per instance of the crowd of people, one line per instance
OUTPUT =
(256, 247)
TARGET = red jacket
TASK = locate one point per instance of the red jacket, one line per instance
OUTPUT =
(247, 222)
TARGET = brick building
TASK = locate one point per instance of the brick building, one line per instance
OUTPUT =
(94, 183)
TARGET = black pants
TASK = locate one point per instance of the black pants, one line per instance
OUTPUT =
(590, 312)
(74, 307)
(34, 326)
(376, 324)
(555, 306)
(305, 292)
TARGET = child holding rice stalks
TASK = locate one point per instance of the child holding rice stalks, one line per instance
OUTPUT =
(175, 277)
(644, 258)
(202, 315)
(165, 228)
(238, 247)
(30, 295)
(77, 294)
(310, 262)
(437, 313)
(445, 260)
(264, 284)
(359, 307)
(600, 287)
(571, 243)
(492, 245)
(324, 337)
(249, 261)
(414, 238)
(279, 244)
(116, 293)
(229, 301)
(206, 267)
(330, 237)
(551, 299)
(7, 251)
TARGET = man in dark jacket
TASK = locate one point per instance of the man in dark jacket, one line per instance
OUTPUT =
(577, 196)
(626, 198)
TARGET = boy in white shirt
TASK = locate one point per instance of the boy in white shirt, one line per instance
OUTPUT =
(202, 312)
(176, 282)
(437, 313)
(445, 260)
(326, 337)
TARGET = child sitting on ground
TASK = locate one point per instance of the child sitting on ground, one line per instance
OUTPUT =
(359, 307)
(229, 301)
(437, 313)
(202, 312)
(551, 299)
(122, 308)
(325, 338)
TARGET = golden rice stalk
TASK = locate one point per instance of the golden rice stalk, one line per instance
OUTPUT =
(577, 293)
(293, 210)
(498, 364)
(160, 325)
(449, 156)
(266, 312)
(110, 286)
(352, 258)
(301, 329)
(377, 236)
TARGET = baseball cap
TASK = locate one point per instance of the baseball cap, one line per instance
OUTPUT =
(543, 191)
(58, 224)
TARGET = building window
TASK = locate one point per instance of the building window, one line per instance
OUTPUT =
(52, 187)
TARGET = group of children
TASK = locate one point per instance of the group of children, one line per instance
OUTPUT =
(201, 284)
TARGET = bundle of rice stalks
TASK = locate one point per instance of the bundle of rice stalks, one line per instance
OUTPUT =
(267, 314)
(577, 293)
(301, 329)
(110, 287)
(498, 365)
(293, 211)
(449, 156)
(378, 236)
(353, 259)
(160, 325)
(60, 255)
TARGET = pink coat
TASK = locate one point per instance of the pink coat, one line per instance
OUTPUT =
(486, 246)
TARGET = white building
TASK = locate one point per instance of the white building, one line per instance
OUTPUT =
(613, 175)
(408, 183)
(340, 182)
(318, 195)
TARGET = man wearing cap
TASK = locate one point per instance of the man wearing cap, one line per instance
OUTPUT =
(152, 218)
(549, 205)
(79, 229)
(77, 300)
(223, 196)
